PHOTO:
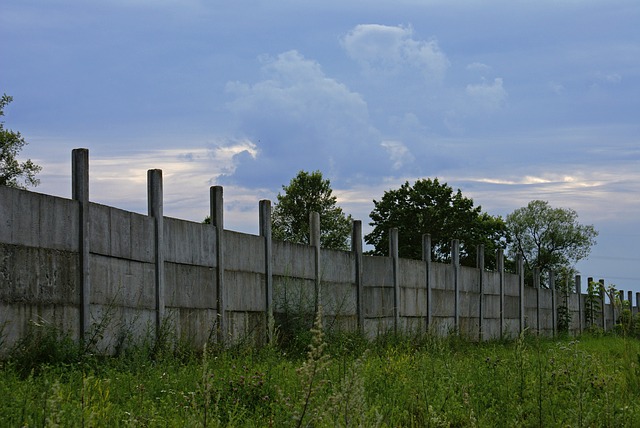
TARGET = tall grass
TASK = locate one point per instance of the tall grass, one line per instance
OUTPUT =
(341, 380)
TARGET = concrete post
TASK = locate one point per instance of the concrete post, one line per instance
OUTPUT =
(521, 290)
(592, 313)
(455, 264)
(554, 309)
(536, 284)
(314, 241)
(480, 266)
(356, 248)
(426, 257)
(265, 232)
(638, 302)
(216, 212)
(620, 297)
(154, 199)
(565, 296)
(500, 267)
(603, 306)
(630, 300)
(80, 193)
(578, 290)
(393, 253)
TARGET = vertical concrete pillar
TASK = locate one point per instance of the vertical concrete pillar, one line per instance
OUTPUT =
(521, 289)
(565, 296)
(154, 199)
(603, 305)
(216, 212)
(314, 241)
(554, 309)
(426, 257)
(500, 267)
(356, 249)
(480, 266)
(455, 265)
(536, 284)
(592, 311)
(265, 232)
(393, 253)
(80, 193)
(578, 290)
(619, 295)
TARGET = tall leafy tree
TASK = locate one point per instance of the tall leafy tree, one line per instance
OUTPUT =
(306, 193)
(432, 207)
(549, 238)
(12, 172)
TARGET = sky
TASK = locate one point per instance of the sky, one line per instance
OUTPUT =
(507, 100)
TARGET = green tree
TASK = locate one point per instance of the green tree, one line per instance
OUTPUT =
(549, 238)
(431, 207)
(306, 193)
(12, 172)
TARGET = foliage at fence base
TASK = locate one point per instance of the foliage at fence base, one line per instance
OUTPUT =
(341, 380)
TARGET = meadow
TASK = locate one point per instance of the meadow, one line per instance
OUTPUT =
(328, 380)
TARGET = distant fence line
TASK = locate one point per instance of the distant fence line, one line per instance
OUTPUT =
(97, 271)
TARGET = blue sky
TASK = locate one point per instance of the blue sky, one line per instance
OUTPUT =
(509, 101)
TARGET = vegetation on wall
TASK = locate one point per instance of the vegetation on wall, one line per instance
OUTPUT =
(394, 381)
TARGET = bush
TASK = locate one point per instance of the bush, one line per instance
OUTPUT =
(43, 344)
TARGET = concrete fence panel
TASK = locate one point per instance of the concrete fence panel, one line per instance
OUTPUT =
(99, 271)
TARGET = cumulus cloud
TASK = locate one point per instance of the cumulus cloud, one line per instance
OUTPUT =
(488, 96)
(613, 78)
(479, 67)
(557, 88)
(299, 118)
(398, 153)
(390, 50)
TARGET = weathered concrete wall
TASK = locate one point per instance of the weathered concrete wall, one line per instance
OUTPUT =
(338, 289)
(413, 295)
(377, 278)
(214, 283)
(38, 263)
(122, 275)
(244, 280)
(190, 278)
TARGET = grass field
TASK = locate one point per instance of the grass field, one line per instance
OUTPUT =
(341, 380)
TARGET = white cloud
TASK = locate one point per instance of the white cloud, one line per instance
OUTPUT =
(398, 153)
(120, 180)
(478, 67)
(609, 77)
(298, 88)
(557, 88)
(489, 97)
(389, 50)
(299, 118)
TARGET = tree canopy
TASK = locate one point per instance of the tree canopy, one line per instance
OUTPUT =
(431, 207)
(549, 238)
(12, 172)
(306, 193)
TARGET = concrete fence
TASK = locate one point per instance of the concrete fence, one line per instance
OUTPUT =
(113, 277)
